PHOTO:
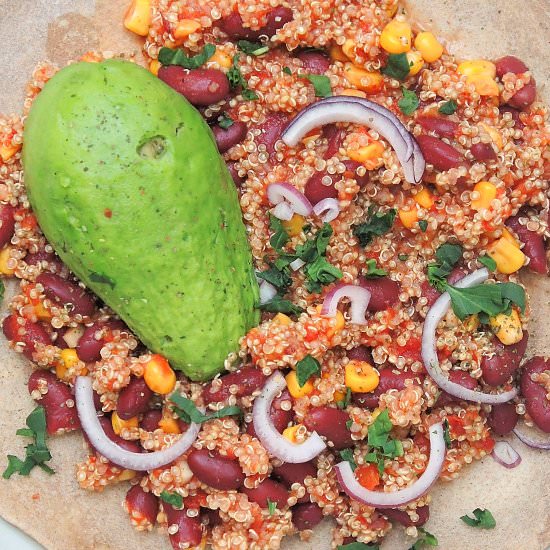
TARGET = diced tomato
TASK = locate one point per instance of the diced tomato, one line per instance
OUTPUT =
(368, 476)
(486, 444)
(456, 425)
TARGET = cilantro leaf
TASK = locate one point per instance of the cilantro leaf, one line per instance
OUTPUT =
(174, 499)
(315, 247)
(403, 257)
(347, 455)
(381, 446)
(346, 401)
(287, 70)
(488, 262)
(483, 519)
(249, 95)
(188, 412)
(514, 293)
(425, 539)
(280, 305)
(398, 66)
(447, 256)
(14, 465)
(168, 56)
(271, 506)
(252, 48)
(236, 80)
(449, 107)
(446, 434)
(377, 224)
(306, 368)
(358, 546)
(279, 278)
(379, 430)
(373, 271)
(321, 84)
(320, 272)
(409, 102)
(280, 236)
(423, 224)
(225, 121)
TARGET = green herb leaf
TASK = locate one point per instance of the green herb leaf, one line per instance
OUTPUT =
(349, 424)
(358, 546)
(376, 457)
(403, 257)
(321, 84)
(449, 107)
(320, 272)
(446, 434)
(409, 102)
(168, 56)
(488, 262)
(514, 293)
(447, 256)
(426, 539)
(280, 305)
(346, 401)
(252, 48)
(381, 446)
(2, 289)
(398, 66)
(373, 271)
(280, 236)
(279, 278)
(347, 455)
(188, 412)
(236, 80)
(249, 95)
(315, 247)
(378, 223)
(306, 368)
(25, 432)
(287, 70)
(14, 465)
(423, 224)
(483, 519)
(271, 506)
(174, 499)
(225, 121)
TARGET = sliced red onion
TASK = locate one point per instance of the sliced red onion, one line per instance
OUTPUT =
(327, 209)
(297, 264)
(506, 455)
(140, 462)
(532, 437)
(365, 112)
(267, 292)
(288, 201)
(276, 444)
(380, 499)
(358, 296)
(429, 349)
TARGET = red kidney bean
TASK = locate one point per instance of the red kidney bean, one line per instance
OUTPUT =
(335, 137)
(306, 516)
(314, 61)
(351, 171)
(7, 224)
(59, 416)
(533, 245)
(233, 26)
(199, 86)
(247, 380)
(498, 368)
(232, 167)
(189, 533)
(330, 423)
(510, 64)
(215, 470)
(150, 420)
(458, 377)
(536, 403)
(384, 292)
(430, 293)
(281, 418)
(524, 97)
(456, 274)
(438, 153)
(315, 190)
(133, 399)
(53, 262)
(445, 127)
(106, 424)
(503, 418)
(401, 517)
(289, 474)
(360, 353)
(67, 293)
(225, 139)
(483, 151)
(28, 333)
(518, 124)
(143, 504)
(271, 130)
(89, 346)
(268, 489)
(211, 517)
(276, 19)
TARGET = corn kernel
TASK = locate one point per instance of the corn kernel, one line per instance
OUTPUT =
(336, 54)
(119, 424)
(477, 66)
(376, 413)
(415, 62)
(282, 319)
(369, 82)
(138, 17)
(348, 49)
(293, 387)
(471, 323)
(126, 475)
(169, 425)
(7, 151)
(4, 257)
(429, 46)
(154, 66)
(484, 85)
(409, 218)
(68, 360)
(339, 396)
(354, 93)
(370, 155)
(290, 433)
(220, 58)
(294, 225)
(158, 375)
(507, 256)
(424, 198)
(507, 328)
(361, 377)
(495, 136)
(486, 193)
(41, 312)
(509, 237)
(184, 28)
(396, 37)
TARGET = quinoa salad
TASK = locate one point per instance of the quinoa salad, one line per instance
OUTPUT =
(391, 194)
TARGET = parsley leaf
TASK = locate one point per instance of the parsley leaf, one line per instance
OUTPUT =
(447, 256)
(287, 70)
(358, 546)
(425, 539)
(280, 305)
(188, 412)
(249, 95)
(373, 271)
(346, 401)
(168, 56)
(280, 236)
(423, 224)
(377, 224)
(347, 455)
(279, 278)
(225, 121)
(398, 66)
(321, 84)
(2, 289)
(483, 519)
(306, 368)
(381, 446)
(449, 107)
(271, 506)
(236, 79)
(488, 262)
(409, 102)
(446, 434)
(174, 499)
(252, 48)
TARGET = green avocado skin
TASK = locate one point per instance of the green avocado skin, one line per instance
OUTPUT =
(156, 233)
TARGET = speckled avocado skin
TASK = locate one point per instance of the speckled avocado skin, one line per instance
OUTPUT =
(130, 190)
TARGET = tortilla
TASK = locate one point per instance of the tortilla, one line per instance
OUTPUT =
(61, 516)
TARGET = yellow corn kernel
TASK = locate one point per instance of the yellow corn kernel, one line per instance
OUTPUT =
(348, 49)
(294, 225)
(509, 237)
(352, 92)
(361, 377)
(293, 387)
(41, 312)
(429, 46)
(169, 425)
(376, 413)
(369, 82)
(484, 85)
(471, 323)
(495, 136)
(119, 424)
(154, 66)
(477, 66)
(339, 396)
(507, 328)
(138, 17)
(290, 433)
(282, 319)
(507, 256)
(126, 475)
(158, 375)
(4, 257)
(424, 198)
(415, 62)
(396, 37)
(7, 151)
(220, 58)
(370, 155)
(486, 193)
(184, 28)
(409, 218)
(336, 54)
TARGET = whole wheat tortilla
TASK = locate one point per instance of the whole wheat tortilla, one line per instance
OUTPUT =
(61, 516)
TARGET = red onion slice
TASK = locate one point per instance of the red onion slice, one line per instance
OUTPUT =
(365, 112)
(359, 297)
(429, 349)
(267, 292)
(288, 201)
(275, 443)
(506, 455)
(532, 437)
(380, 499)
(140, 462)
(327, 209)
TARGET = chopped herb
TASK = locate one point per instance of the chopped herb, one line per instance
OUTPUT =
(449, 107)
(2, 289)
(423, 224)
(483, 519)
(488, 262)
(271, 506)
(321, 84)
(279, 278)
(280, 305)
(236, 80)
(446, 434)
(398, 66)
(348, 424)
(403, 257)
(358, 546)
(252, 48)
(188, 412)
(373, 271)
(315, 247)
(346, 401)
(280, 236)
(425, 539)
(249, 95)
(381, 446)
(377, 224)
(168, 56)
(409, 102)
(347, 455)
(306, 368)
(447, 256)
(287, 70)
(225, 122)
(173, 499)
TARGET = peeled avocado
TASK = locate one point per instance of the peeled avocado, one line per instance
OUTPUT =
(129, 188)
